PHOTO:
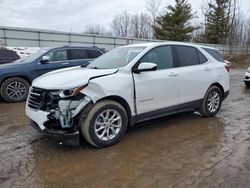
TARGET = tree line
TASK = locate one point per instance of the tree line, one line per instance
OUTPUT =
(222, 22)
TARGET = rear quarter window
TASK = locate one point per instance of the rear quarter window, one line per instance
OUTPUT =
(215, 54)
(202, 58)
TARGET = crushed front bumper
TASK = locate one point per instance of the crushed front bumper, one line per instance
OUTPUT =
(59, 135)
(42, 122)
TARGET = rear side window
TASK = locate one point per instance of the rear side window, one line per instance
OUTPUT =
(94, 54)
(162, 56)
(215, 54)
(78, 54)
(187, 56)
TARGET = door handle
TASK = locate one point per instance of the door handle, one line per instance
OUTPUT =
(207, 69)
(172, 74)
(65, 63)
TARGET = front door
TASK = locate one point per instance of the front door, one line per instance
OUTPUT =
(57, 59)
(157, 90)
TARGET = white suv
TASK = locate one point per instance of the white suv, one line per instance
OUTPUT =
(125, 86)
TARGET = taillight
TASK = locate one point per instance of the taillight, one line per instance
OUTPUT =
(227, 67)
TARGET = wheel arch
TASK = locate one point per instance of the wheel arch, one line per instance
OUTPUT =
(220, 87)
(17, 76)
(122, 102)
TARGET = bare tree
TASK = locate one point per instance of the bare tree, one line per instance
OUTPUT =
(153, 7)
(141, 26)
(95, 29)
(121, 25)
(127, 25)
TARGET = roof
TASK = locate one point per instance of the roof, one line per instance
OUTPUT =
(153, 44)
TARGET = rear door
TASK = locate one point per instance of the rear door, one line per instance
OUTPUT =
(78, 57)
(57, 59)
(195, 73)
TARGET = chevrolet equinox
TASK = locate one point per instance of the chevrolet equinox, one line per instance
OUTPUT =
(125, 86)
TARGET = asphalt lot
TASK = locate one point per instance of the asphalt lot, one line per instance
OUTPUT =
(184, 150)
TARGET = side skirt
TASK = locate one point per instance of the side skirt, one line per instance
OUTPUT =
(186, 107)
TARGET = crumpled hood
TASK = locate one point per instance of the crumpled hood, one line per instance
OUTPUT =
(69, 77)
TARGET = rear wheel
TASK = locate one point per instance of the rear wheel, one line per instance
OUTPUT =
(212, 102)
(105, 124)
(15, 89)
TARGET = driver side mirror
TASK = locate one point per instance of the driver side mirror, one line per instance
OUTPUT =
(143, 67)
(44, 59)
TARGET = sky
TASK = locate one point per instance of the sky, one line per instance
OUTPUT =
(74, 15)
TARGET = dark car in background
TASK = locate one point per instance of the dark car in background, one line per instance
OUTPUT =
(8, 56)
(16, 77)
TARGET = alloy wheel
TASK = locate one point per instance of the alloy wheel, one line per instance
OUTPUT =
(108, 124)
(213, 101)
(16, 90)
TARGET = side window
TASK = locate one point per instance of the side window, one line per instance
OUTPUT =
(78, 54)
(94, 54)
(187, 56)
(215, 54)
(57, 55)
(162, 56)
(202, 58)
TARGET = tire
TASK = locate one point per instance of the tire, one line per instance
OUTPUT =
(95, 121)
(247, 84)
(15, 89)
(212, 102)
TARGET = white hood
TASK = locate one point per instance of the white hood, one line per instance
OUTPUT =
(69, 77)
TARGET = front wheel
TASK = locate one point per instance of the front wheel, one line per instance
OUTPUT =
(15, 89)
(212, 102)
(105, 124)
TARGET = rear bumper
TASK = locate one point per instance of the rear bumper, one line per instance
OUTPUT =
(59, 135)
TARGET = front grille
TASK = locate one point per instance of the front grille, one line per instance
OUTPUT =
(35, 98)
(42, 99)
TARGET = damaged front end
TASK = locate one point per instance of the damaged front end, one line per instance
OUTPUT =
(57, 113)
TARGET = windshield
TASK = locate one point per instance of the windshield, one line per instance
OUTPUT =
(116, 58)
(32, 57)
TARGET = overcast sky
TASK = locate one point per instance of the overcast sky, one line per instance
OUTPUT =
(74, 15)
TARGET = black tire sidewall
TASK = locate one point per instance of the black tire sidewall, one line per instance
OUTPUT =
(247, 84)
(95, 139)
(7, 82)
(206, 100)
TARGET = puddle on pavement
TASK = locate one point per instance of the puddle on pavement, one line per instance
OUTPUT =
(180, 151)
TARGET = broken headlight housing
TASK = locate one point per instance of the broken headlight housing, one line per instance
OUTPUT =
(71, 92)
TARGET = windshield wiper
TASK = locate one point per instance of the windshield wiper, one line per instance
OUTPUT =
(85, 64)
(93, 67)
